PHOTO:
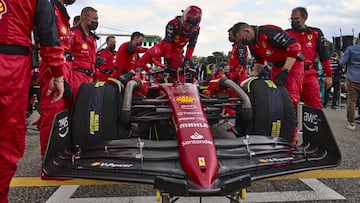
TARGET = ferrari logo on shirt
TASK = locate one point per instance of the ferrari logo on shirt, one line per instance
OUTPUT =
(309, 36)
(84, 46)
(3, 8)
(264, 45)
(176, 38)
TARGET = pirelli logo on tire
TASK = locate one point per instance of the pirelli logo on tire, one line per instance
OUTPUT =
(94, 123)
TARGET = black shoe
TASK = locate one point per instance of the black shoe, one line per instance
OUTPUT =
(334, 107)
(357, 119)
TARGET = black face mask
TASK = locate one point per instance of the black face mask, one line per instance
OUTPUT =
(139, 44)
(231, 39)
(69, 2)
(112, 47)
(246, 42)
(93, 25)
(227, 74)
(295, 25)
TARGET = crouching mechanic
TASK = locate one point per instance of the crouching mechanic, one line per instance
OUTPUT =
(179, 31)
(269, 43)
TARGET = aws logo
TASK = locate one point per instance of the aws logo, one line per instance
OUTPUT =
(185, 99)
(3, 8)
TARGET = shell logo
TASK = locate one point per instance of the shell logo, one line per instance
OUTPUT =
(94, 164)
(185, 99)
(3, 8)
(84, 46)
(63, 31)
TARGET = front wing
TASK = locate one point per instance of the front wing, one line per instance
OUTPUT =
(241, 160)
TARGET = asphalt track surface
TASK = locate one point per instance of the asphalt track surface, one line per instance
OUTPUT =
(340, 184)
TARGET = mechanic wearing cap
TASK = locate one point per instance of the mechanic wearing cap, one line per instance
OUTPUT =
(83, 47)
(312, 43)
(17, 20)
(48, 109)
(179, 31)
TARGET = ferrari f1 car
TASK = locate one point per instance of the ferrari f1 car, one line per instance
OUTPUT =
(173, 136)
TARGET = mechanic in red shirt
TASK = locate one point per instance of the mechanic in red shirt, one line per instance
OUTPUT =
(312, 43)
(105, 60)
(179, 31)
(48, 109)
(17, 20)
(269, 43)
(128, 54)
(83, 48)
(237, 60)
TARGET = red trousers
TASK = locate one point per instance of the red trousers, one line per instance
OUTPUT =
(48, 110)
(15, 73)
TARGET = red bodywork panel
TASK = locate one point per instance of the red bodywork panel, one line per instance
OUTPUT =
(196, 144)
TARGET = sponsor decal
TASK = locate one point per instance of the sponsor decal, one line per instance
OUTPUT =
(201, 161)
(185, 99)
(190, 113)
(93, 123)
(84, 46)
(3, 8)
(63, 31)
(187, 106)
(309, 44)
(99, 83)
(187, 119)
(196, 139)
(309, 36)
(193, 125)
(110, 165)
(264, 44)
(276, 160)
(311, 122)
(269, 52)
(196, 136)
(63, 126)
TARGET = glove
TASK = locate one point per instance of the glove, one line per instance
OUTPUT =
(99, 61)
(168, 67)
(67, 91)
(186, 63)
(281, 78)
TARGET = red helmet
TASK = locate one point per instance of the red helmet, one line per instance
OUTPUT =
(191, 18)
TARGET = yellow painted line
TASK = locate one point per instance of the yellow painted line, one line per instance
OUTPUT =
(322, 174)
(37, 182)
(317, 174)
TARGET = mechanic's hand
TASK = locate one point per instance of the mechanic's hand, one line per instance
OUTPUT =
(56, 88)
(169, 69)
(281, 78)
(186, 63)
(328, 82)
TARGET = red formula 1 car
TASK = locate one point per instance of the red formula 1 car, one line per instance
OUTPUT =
(172, 136)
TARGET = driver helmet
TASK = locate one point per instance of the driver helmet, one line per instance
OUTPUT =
(190, 19)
